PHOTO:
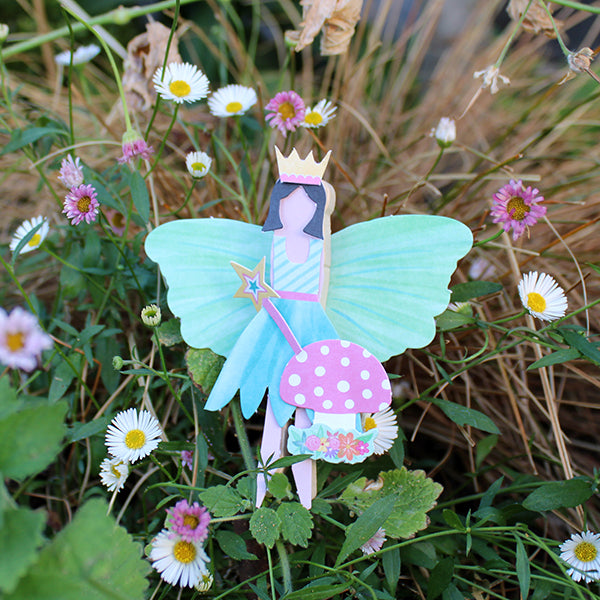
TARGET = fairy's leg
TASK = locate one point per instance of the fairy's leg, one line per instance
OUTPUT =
(305, 472)
(270, 448)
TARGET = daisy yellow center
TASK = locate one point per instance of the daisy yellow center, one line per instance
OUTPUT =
(15, 341)
(118, 220)
(536, 302)
(83, 204)
(184, 552)
(114, 471)
(517, 209)
(198, 166)
(191, 521)
(180, 88)
(286, 110)
(35, 240)
(370, 423)
(585, 551)
(135, 439)
(233, 107)
(313, 118)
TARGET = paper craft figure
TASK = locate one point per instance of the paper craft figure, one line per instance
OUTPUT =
(315, 331)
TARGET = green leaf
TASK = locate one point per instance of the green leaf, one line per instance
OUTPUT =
(233, 545)
(484, 447)
(367, 525)
(20, 138)
(461, 415)
(139, 194)
(265, 526)
(9, 402)
(559, 494)
(453, 520)
(449, 320)
(415, 494)
(279, 486)
(20, 537)
(440, 578)
(396, 452)
(90, 558)
(246, 486)
(169, 333)
(287, 461)
(580, 343)
(62, 378)
(81, 431)
(222, 501)
(31, 439)
(462, 292)
(204, 367)
(317, 592)
(391, 563)
(560, 356)
(523, 569)
(296, 523)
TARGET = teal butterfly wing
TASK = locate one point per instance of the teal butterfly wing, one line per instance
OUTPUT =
(389, 278)
(194, 256)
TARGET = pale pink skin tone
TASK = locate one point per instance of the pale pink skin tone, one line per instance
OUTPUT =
(295, 212)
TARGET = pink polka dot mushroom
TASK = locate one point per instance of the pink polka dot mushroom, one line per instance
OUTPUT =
(337, 379)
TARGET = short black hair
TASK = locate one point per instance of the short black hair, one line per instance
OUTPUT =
(282, 190)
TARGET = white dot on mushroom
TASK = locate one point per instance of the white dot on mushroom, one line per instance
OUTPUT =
(343, 386)
(294, 380)
(302, 356)
(366, 353)
(365, 374)
(385, 384)
(318, 391)
(324, 350)
(320, 371)
(349, 404)
(327, 404)
(344, 344)
(383, 406)
(367, 394)
(345, 361)
(299, 399)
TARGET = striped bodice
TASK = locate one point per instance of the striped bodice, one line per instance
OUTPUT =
(296, 277)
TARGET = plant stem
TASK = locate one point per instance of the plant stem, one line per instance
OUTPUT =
(284, 563)
(240, 431)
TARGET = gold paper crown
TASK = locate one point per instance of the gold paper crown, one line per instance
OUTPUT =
(293, 169)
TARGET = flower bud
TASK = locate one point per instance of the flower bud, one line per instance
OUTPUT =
(445, 132)
(117, 363)
(151, 315)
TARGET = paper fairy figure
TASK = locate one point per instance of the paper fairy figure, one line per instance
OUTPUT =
(315, 314)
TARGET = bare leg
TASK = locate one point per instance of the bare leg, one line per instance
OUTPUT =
(271, 447)
(305, 472)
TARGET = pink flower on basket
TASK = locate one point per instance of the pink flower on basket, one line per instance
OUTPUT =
(21, 339)
(286, 111)
(81, 204)
(516, 207)
(313, 443)
(190, 522)
(348, 447)
(71, 172)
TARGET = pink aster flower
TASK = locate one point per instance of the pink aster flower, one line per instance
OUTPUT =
(287, 111)
(190, 522)
(375, 543)
(516, 207)
(187, 459)
(116, 220)
(134, 146)
(81, 204)
(71, 172)
(21, 339)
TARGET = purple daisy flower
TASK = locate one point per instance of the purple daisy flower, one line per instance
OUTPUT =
(190, 522)
(81, 204)
(71, 172)
(286, 111)
(516, 207)
(21, 339)
(187, 459)
(137, 148)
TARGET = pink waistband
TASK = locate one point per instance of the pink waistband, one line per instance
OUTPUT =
(298, 296)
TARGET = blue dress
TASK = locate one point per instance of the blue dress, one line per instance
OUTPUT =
(258, 358)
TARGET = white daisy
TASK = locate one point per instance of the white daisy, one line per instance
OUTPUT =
(130, 436)
(198, 163)
(82, 55)
(320, 115)
(182, 82)
(582, 552)
(36, 240)
(387, 429)
(231, 100)
(151, 315)
(542, 296)
(205, 583)
(113, 473)
(178, 562)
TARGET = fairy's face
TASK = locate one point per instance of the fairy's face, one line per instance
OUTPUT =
(296, 210)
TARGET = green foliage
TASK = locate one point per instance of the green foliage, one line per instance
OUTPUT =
(462, 292)
(90, 558)
(265, 526)
(169, 332)
(414, 495)
(223, 501)
(139, 195)
(279, 486)
(233, 545)
(296, 523)
(462, 415)
(204, 367)
(559, 494)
